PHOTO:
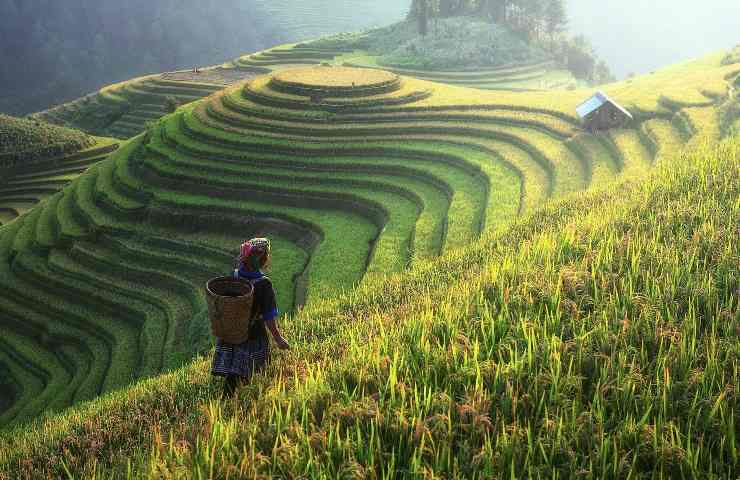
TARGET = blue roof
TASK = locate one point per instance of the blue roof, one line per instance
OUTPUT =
(593, 103)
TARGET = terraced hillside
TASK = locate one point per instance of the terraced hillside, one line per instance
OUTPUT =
(596, 338)
(122, 110)
(24, 186)
(354, 175)
(539, 75)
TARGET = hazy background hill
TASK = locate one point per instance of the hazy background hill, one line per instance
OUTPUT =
(53, 51)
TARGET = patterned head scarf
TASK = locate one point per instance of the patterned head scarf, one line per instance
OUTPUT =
(254, 253)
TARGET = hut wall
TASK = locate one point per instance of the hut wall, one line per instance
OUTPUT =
(605, 117)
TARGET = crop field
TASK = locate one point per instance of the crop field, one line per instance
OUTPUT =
(597, 336)
(123, 110)
(355, 176)
(521, 77)
(23, 185)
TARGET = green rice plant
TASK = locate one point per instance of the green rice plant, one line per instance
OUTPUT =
(7, 239)
(123, 109)
(191, 253)
(94, 310)
(47, 228)
(23, 142)
(327, 274)
(80, 361)
(428, 200)
(41, 181)
(95, 344)
(465, 191)
(108, 183)
(389, 211)
(347, 149)
(431, 145)
(49, 358)
(72, 224)
(26, 235)
(89, 208)
(7, 215)
(33, 381)
(362, 186)
(675, 87)
(27, 185)
(179, 89)
(566, 155)
(164, 305)
(44, 363)
(198, 267)
(258, 91)
(241, 112)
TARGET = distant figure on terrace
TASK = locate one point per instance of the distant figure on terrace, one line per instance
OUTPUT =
(237, 363)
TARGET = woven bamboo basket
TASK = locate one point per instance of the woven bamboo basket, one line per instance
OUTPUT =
(229, 308)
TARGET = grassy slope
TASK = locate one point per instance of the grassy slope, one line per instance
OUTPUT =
(109, 196)
(596, 336)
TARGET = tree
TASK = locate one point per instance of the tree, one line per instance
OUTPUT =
(423, 17)
(579, 57)
(556, 19)
(602, 73)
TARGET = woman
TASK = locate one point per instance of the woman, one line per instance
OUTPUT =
(237, 363)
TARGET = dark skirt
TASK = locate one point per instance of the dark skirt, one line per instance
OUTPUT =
(242, 360)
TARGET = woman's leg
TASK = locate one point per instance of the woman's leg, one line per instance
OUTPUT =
(230, 384)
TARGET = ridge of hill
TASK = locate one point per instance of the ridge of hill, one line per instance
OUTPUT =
(24, 141)
(359, 176)
(37, 159)
(596, 336)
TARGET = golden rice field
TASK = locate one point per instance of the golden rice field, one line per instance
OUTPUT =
(333, 77)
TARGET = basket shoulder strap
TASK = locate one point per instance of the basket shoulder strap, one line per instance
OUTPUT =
(254, 282)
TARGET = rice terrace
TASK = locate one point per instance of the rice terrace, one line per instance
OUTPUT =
(473, 281)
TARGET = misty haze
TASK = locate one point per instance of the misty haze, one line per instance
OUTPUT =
(637, 36)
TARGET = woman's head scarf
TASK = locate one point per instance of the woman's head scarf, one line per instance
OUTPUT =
(254, 253)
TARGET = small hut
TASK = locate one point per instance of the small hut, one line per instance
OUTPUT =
(601, 113)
